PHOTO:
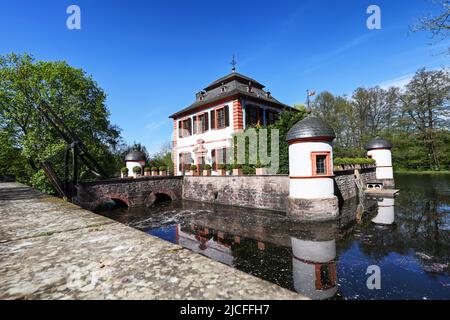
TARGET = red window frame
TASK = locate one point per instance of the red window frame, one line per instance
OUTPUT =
(328, 168)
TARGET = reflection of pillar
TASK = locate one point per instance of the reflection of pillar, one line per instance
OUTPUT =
(314, 268)
(311, 191)
(386, 213)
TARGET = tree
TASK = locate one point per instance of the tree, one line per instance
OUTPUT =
(74, 96)
(163, 157)
(438, 25)
(425, 109)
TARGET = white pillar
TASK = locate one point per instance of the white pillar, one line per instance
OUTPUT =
(379, 150)
(311, 191)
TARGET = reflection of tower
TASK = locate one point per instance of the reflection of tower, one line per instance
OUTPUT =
(314, 268)
(386, 214)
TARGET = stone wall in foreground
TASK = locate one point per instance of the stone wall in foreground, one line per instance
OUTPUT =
(264, 192)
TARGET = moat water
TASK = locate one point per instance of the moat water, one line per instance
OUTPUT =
(406, 239)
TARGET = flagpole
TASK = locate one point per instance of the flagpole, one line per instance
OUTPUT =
(307, 98)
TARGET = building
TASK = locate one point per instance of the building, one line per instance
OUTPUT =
(202, 131)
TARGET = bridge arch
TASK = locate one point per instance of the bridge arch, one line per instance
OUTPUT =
(159, 196)
(110, 201)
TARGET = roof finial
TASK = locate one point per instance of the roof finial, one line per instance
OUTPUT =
(233, 64)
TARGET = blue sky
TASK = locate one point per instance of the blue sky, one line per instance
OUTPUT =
(152, 56)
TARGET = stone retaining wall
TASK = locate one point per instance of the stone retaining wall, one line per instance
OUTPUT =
(264, 192)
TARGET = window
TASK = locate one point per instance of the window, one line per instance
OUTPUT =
(271, 117)
(202, 123)
(325, 276)
(254, 116)
(321, 164)
(219, 156)
(220, 118)
(185, 128)
(184, 161)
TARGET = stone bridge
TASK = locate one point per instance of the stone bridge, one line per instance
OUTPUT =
(131, 192)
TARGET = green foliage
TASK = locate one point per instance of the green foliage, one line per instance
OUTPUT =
(162, 168)
(124, 170)
(222, 166)
(193, 167)
(163, 157)
(137, 169)
(73, 96)
(353, 161)
(147, 169)
(237, 166)
(207, 167)
(154, 168)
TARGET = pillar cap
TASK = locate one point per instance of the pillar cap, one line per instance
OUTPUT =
(378, 143)
(310, 127)
(135, 155)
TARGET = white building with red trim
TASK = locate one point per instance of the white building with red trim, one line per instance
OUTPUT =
(202, 131)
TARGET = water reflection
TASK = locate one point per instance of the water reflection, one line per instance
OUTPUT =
(407, 237)
(386, 213)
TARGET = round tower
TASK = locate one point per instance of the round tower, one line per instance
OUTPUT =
(133, 159)
(311, 191)
(380, 150)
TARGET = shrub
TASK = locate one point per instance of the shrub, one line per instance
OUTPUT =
(154, 168)
(147, 169)
(353, 161)
(162, 168)
(124, 170)
(207, 167)
(259, 165)
(193, 167)
(229, 167)
(222, 166)
(237, 166)
(137, 169)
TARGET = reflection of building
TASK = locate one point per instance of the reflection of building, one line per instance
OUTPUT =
(201, 241)
(386, 212)
(314, 268)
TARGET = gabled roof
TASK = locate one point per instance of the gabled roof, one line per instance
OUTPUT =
(232, 86)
